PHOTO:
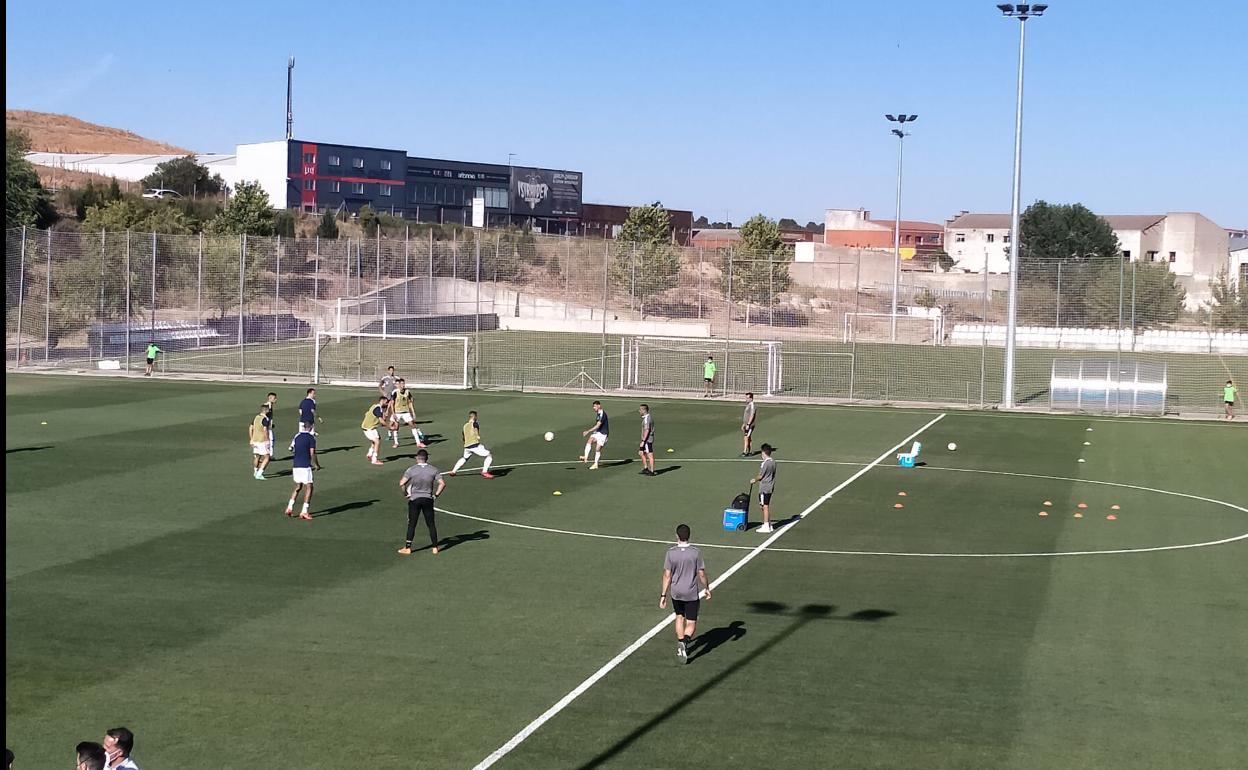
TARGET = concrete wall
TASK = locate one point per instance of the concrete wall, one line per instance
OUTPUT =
(645, 328)
(265, 162)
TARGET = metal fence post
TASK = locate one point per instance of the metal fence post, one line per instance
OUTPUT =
(728, 331)
(47, 302)
(277, 291)
(316, 271)
(151, 328)
(21, 291)
(242, 278)
(853, 335)
(103, 258)
(377, 264)
(199, 290)
(1058, 321)
(1133, 306)
(127, 300)
(406, 266)
(771, 291)
(606, 272)
(699, 283)
(476, 335)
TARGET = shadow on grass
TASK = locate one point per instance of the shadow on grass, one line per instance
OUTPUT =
(337, 449)
(668, 469)
(344, 507)
(27, 449)
(706, 642)
(464, 537)
(804, 615)
(279, 474)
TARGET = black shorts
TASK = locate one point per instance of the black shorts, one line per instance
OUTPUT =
(1230, 403)
(151, 361)
(686, 610)
(709, 379)
(764, 498)
(647, 447)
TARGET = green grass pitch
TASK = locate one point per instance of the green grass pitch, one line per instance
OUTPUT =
(152, 583)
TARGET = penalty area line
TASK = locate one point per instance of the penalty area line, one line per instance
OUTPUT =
(624, 654)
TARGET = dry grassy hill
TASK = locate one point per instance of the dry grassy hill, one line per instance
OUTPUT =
(50, 132)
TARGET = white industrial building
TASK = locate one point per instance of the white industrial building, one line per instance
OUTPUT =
(131, 168)
(1194, 247)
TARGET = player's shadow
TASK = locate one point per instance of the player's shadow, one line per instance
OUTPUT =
(27, 449)
(500, 472)
(434, 438)
(279, 474)
(820, 611)
(337, 449)
(344, 507)
(616, 463)
(706, 642)
(448, 543)
(667, 469)
(806, 614)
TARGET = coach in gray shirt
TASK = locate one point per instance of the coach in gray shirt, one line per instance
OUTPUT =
(421, 483)
(684, 577)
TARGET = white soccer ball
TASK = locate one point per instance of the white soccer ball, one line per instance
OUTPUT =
(549, 436)
(953, 447)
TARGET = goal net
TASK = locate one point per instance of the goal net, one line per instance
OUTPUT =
(878, 327)
(424, 361)
(675, 363)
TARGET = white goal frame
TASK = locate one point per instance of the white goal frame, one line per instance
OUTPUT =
(413, 378)
(630, 356)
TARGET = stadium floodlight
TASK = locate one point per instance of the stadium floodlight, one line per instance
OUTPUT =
(1022, 12)
(901, 118)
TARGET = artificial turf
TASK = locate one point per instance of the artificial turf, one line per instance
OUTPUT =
(151, 582)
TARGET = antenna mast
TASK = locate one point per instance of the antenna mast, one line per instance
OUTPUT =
(290, 114)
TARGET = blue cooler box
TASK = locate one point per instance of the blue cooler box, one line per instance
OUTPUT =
(734, 520)
(905, 462)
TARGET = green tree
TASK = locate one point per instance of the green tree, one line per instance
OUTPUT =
(1229, 309)
(328, 228)
(1158, 297)
(368, 220)
(1066, 234)
(131, 214)
(222, 265)
(26, 203)
(760, 266)
(184, 175)
(644, 258)
(248, 212)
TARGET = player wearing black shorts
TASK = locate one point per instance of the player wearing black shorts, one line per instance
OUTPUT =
(646, 448)
(684, 577)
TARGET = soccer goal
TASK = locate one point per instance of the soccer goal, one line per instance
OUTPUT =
(1107, 387)
(424, 361)
(878, 327)
(675, 363)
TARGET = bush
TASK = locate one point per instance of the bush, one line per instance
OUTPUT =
(789, 316)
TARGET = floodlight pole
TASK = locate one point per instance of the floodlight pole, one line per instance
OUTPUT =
(901, 139)
(1022, 12)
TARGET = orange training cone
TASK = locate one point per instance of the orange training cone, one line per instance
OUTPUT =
(1044, 513)
(1078, 515)
(1082, 505)
(1112, 517)
(898, 505)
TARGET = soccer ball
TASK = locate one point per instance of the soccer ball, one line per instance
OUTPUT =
(953, 447)
(549, 436)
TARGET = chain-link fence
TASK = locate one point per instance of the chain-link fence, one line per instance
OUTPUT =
(581, 313)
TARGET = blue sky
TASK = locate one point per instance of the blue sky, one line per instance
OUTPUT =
(726, 107)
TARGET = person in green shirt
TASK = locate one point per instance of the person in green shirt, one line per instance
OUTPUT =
(152, 350)
(1228, 396)
(708, 374)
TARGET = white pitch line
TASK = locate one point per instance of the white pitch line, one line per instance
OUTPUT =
(623, 655)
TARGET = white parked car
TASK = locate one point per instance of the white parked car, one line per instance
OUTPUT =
(160, 193)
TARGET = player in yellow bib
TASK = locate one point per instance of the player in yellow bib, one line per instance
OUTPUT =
(373, 419)
(473, 446)
(258, 437)
(404, 414)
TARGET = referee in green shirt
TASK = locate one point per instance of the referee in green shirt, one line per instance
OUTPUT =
(1228, 397)
(152, 351)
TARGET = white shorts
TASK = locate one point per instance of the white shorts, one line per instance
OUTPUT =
(303, 475)
(371, 434)
(260, 449)
(598, 438)
(404, 417)
(479, 450)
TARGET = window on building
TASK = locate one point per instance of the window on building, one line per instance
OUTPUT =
(357, 188)
(385, 190)
(357, 162)
(1126, 255)
(334, 160)
(385, 165)
(309, 184)
(959, 237)
(1152, 256)
(1005, 238)
(908, 237)
(1172, 256)
(335, 186)
(1243, 274)
(309, 157)
(992, 237)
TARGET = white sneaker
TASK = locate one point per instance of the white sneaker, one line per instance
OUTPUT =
(766, 529)
(681, 653)
(594, 467)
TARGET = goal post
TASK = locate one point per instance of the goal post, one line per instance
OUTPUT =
(424, 361)
(675, 363)
(877, 327)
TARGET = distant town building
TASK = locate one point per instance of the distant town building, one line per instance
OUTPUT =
(856, 229)
(601, 220)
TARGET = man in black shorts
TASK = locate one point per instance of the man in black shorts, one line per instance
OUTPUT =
(684, 576)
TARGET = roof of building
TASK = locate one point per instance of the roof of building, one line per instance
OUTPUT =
(908, 224)
(712, 234)
(71, 159)
(1002, 221)
(1238, 244)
